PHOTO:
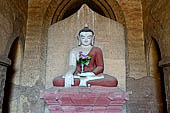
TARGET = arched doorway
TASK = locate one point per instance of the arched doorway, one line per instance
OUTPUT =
(12, 75)
(157, 72)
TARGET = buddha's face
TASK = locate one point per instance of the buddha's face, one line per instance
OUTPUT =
(86, 38)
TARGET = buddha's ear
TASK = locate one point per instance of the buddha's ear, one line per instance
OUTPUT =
(78, 40)
(93, 40)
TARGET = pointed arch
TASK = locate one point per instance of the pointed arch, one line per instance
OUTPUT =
(60, 9)
(17, 33)
(11, 41)
(154, 56)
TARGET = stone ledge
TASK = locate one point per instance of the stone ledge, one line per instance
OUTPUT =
(5, 61)
(165, 62)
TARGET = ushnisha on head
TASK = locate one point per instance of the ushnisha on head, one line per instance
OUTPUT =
(86, 36)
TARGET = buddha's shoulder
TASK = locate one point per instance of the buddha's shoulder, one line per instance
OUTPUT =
(97, 48)
(75, 50)
(78, 49)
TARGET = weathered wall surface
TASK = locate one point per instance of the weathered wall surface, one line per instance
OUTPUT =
(146, 95)
(132, 10)
(167, 85)
(13, 15)
(33, 66)
(25, 94)
(156, 17)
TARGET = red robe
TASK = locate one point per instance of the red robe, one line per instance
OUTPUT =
(96, 64)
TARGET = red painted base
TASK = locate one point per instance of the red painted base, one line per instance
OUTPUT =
(85, 100)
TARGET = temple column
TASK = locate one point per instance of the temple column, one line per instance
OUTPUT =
(165, 63)
(4, 63)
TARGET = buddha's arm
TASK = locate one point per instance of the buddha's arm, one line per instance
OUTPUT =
(71, 69)
(99, 62)
(69, 79)
(72, 63)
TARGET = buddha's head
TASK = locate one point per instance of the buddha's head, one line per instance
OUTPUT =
(86, 36)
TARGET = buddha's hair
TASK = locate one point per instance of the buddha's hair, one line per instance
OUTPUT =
(86, 29)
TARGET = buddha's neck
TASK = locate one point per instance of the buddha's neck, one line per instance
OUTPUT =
(85, 49)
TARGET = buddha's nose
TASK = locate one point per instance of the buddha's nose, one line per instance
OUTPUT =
(86, 40)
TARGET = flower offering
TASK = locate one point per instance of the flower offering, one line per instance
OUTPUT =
(84, 59)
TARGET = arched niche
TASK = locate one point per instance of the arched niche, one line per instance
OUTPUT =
(70, 7)
(109, 36)
(61, 9)
(15, 54)
(54, 9)
(154, 56)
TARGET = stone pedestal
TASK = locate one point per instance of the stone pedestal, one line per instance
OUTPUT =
(85, 100)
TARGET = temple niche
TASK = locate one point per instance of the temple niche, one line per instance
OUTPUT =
(110, 37)
(37, 35)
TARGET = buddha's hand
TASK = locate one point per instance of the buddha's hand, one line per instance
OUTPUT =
(69, 80)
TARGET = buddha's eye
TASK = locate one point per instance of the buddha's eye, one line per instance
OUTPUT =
(89, 36)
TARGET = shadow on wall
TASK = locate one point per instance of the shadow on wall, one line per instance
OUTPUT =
(11, 74)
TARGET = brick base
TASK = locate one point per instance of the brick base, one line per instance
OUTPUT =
(85, 100)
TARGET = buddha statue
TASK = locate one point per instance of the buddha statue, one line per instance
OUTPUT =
(86, 64)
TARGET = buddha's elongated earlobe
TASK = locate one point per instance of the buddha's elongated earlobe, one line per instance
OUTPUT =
(93, 40)
(78, 40)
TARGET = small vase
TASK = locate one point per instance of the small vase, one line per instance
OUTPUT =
(82, 67)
